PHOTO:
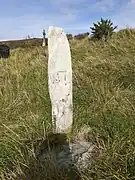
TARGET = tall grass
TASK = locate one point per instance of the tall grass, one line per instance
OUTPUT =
(103, 97)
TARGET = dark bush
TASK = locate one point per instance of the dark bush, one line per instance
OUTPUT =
(4, 51)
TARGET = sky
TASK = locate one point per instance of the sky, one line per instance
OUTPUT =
(20, 18)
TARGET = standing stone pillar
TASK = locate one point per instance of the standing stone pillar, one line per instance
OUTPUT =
(60, 80)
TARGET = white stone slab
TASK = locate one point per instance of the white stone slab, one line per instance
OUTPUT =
(60, 79)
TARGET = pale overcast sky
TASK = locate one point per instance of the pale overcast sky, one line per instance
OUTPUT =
(20, 18)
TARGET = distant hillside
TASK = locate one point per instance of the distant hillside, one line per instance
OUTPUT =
(23, 43)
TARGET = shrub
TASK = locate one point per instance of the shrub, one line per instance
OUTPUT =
(102, 30)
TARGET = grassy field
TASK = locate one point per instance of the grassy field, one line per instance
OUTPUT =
(104, 100)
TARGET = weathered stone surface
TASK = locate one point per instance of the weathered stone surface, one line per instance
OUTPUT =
(72, 154)
(60, 79)
(65, 154)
